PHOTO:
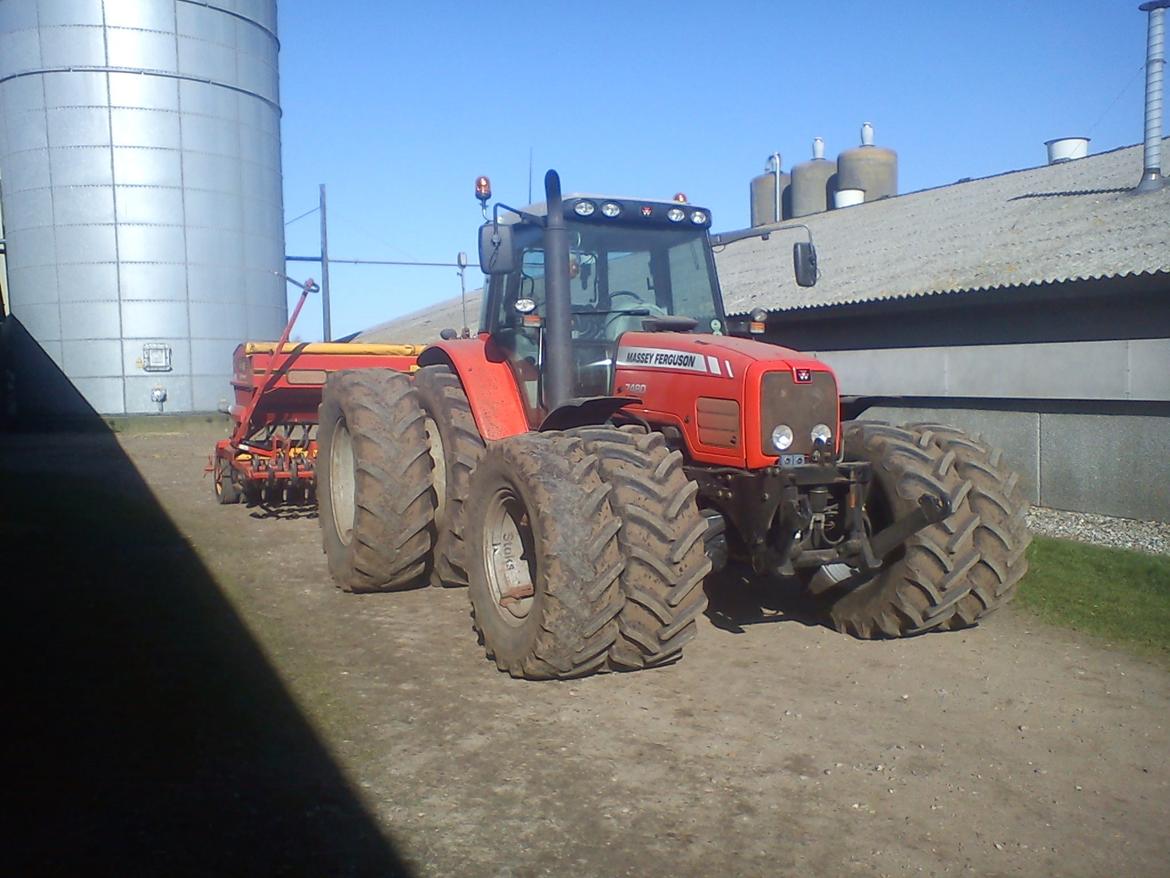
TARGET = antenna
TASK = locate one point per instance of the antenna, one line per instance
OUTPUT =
(530, 175)
(461, 261)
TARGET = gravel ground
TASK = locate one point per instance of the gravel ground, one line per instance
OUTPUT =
(1152, 537)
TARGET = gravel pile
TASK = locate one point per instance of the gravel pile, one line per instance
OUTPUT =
(1152, 537)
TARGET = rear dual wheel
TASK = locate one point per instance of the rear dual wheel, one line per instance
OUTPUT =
(374, 481)
(455, 448)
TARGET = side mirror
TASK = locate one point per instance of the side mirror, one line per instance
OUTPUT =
(804, 261)
(497, 254)
(448, 334)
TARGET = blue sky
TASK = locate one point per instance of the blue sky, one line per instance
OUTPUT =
(398, 107)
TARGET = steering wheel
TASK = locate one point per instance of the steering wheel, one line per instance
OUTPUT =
(617, 293)
(655, 310)
(620, 321)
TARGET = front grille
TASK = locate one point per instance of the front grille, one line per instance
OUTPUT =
(800, 406)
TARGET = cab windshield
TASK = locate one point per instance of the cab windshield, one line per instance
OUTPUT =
(620, 276)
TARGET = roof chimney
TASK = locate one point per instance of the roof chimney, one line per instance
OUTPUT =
(1152, 179)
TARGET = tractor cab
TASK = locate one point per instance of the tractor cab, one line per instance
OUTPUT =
(633, 265)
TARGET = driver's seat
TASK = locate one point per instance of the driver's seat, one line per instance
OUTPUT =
(620, 323)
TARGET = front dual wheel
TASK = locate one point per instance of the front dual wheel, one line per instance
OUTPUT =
(586, 551)
(543, 557)
(951, 574)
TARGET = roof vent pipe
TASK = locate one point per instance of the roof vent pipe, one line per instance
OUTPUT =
(774, 161)
(1152, 179)
(1066, 149)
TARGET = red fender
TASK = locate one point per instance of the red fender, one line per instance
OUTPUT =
(488, 380)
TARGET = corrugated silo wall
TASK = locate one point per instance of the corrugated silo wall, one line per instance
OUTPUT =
(140, 159)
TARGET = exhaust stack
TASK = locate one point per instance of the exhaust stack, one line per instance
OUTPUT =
(1152, 179)
(558, 337)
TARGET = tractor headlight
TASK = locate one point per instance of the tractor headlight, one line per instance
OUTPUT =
(822, 433)
(611, 209)
(676, 215)
(782, 437)
(584, 208)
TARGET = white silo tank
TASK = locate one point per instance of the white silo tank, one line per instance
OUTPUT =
(140, 153)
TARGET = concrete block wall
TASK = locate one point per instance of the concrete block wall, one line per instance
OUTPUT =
(1110, 464)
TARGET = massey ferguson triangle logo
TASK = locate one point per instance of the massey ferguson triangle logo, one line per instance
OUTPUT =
(803, 376)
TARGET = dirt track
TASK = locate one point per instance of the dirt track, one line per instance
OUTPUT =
(775, 747)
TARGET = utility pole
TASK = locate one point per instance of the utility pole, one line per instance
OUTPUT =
(326, 329)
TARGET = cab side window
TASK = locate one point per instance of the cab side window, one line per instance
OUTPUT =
(689, 282)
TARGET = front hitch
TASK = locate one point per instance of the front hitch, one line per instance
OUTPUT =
(932, 508)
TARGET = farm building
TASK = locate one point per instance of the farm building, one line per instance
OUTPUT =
(1032, 307)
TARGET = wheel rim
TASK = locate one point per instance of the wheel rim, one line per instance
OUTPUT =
(837, 573)
(223, 475)
(439, 469)
(341, 482)
(509, 557)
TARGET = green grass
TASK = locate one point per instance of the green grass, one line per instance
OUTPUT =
(1115, 594)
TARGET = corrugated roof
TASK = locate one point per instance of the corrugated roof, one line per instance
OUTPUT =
(1076, 220)
(421, 327)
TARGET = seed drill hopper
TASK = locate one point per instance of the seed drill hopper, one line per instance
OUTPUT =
(271, 454)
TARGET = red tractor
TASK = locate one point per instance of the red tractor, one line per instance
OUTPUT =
(606, 439)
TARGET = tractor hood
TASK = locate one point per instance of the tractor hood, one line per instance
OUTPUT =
(716, 355)
(726, 395)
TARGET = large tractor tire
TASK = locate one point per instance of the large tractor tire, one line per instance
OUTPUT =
(1002, 536)
(662, 541)
(456, 447)
(374, 484)
(922, 583)
(543, 557)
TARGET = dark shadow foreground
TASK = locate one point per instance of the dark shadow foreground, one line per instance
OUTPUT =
(33, 389)
(147, 733)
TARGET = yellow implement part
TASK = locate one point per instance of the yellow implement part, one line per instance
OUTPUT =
(324, 347)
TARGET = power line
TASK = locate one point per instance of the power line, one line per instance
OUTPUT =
(1141, 67)
(302, 216)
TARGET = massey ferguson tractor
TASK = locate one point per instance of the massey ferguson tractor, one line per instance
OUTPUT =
(605, 439)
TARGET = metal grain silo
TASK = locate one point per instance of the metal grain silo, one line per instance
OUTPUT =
(813, 183)
(3, 261)
(767, 206)
(140, 157)
(873, 169)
